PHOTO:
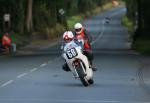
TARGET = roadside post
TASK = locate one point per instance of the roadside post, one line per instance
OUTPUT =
(63, 17)
(7, 22)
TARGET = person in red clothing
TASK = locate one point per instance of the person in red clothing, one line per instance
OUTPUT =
(6, 42)
(80, 32)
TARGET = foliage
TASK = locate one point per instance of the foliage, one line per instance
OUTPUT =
(128, 23)
(72, 20)
(78, 18)
(42, 15)
(138, 12)
(142, 46)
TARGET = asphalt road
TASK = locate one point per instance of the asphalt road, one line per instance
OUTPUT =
(38, 78)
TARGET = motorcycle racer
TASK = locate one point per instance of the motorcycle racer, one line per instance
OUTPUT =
(81, 32)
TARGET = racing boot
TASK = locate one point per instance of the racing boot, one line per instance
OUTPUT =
(91, 66)
(65, 67)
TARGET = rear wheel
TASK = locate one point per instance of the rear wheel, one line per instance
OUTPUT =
(91, 81)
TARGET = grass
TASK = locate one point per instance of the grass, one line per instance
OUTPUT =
(142, 46)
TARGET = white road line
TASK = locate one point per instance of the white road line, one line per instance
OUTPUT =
(55, 59)
(118, 12)
(32, 70)
(101, 34)
(49, 62)
(44, 64)
(5, 84)
(103, 27)
(22, 75)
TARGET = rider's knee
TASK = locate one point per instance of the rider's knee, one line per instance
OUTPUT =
(89, 54)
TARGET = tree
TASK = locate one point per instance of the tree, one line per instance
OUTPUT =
(29, 22)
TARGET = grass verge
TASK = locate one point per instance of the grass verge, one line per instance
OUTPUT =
(128, 23)
(140, 45)
(78, 18)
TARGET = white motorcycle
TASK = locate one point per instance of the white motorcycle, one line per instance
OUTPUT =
(78, 63)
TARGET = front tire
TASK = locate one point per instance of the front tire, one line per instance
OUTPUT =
(82, 76)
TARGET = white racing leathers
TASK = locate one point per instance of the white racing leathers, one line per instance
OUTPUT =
(78, 63)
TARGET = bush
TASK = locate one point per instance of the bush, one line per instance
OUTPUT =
(128, 23)
(142, 46)
(72, 20)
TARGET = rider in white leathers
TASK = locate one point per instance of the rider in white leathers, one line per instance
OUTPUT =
(69, 40)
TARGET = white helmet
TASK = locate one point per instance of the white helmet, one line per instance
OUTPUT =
(68, 36)
(78, 28)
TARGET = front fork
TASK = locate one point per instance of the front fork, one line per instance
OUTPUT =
(75, 66)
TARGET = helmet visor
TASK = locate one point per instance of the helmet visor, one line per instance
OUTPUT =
(78, 30)
(68, 40)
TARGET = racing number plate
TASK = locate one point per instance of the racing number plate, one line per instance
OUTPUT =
(71, 53)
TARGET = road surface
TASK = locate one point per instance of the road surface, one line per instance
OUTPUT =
(38, 78)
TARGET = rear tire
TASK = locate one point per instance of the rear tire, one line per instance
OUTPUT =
(91, 81)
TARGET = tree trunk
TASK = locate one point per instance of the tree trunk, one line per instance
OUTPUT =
(139, 16)
(29, 22)
(138, 32)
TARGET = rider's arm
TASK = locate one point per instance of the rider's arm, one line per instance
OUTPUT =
(88, 36)
(77, 43)
(62, 45)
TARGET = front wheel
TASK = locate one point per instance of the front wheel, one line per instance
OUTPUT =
(82, 75)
